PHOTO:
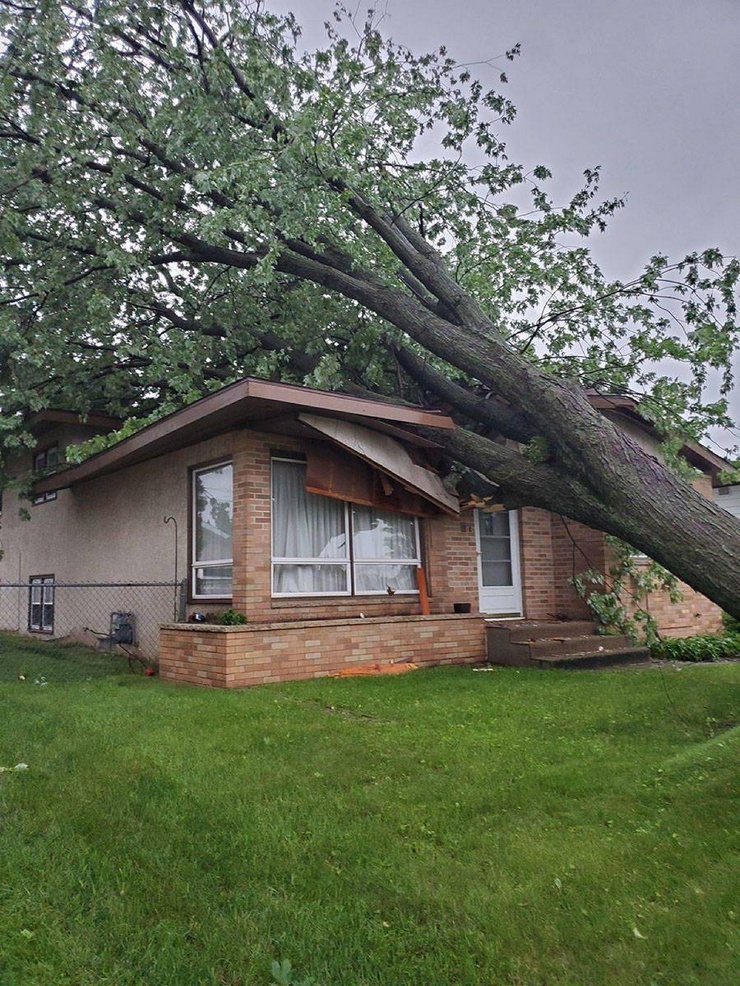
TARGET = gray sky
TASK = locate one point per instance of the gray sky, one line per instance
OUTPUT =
(648, 89)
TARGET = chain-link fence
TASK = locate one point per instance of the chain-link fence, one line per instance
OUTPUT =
(61, 631)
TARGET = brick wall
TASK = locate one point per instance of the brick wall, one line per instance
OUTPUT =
(448, 549)
(452, 561)
(230, 657)
(693, 614)
(576, 548)
(554, 549)
(536, 546)
(278, 643)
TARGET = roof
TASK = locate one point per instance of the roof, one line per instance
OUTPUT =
(695, 453)
(256, 403)
(43, 421)
(278, 408)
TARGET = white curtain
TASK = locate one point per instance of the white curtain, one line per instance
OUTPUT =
(310, 527)
(310, 542)
(378, 536)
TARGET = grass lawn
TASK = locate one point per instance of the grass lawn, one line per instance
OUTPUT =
(441, 828)
(43, 659)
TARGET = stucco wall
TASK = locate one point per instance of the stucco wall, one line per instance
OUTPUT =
(108, 530)
(629, 426)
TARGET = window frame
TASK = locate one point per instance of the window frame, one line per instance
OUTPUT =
(357, 562)
(193, 563)
(351, 562)
(44, 583)
(278, 560)
(40, 468)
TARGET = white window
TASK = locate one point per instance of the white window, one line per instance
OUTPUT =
(322, 546)
(213, 511)
(41, 604)
(385, 551)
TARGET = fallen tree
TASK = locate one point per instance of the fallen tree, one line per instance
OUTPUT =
(186, 199)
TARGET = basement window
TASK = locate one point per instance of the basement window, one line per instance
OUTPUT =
(41, 604)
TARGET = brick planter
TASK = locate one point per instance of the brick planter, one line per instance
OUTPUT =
(231, 657)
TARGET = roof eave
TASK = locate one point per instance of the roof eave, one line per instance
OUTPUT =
(229, 408)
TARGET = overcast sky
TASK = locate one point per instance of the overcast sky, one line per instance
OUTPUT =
(648, 89)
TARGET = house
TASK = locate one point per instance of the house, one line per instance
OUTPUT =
(318, 516)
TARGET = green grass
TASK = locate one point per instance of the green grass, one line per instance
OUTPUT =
(441, 828)
(42, 659)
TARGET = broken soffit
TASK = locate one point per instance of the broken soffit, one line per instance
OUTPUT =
(385, 454)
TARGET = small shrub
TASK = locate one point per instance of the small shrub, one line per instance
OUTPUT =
(703, 647)
(232, 618)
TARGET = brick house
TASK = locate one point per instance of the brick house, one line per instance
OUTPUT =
(318, 516)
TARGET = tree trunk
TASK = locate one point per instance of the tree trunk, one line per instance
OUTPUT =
(649, 508)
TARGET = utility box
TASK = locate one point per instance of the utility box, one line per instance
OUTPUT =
(122, 628)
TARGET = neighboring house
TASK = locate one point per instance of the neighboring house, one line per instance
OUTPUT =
(729, 498)
(317, 515)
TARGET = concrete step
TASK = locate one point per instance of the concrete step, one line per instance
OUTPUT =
(591, 644)
(533, 643)
(594, 659)
(522, 630)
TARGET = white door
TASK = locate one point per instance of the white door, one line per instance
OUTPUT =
(499, 571)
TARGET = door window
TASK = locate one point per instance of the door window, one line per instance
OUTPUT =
(495, 548)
